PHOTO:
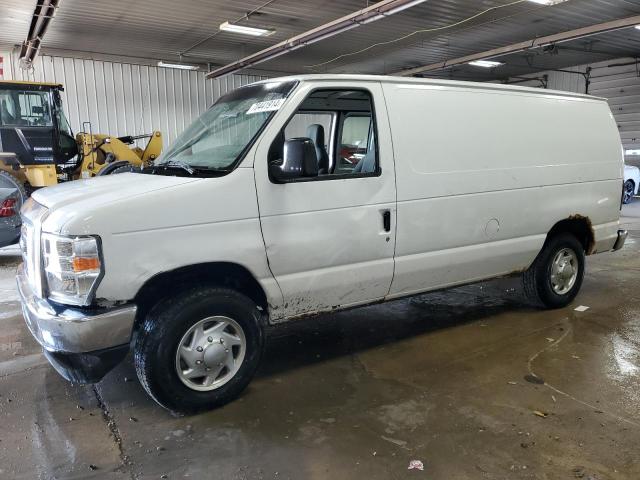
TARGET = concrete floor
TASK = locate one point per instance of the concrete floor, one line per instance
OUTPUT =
(441, 378)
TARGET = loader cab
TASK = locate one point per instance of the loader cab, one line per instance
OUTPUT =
(33, 126)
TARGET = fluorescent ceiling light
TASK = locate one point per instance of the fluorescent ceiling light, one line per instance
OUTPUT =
(547, 2)
(485, 63)
(391, 11)
(253, 31)
(404, 6)
(179, 66)
(638, 27)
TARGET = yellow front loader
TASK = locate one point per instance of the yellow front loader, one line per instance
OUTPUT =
(104, 155)
(38, 149)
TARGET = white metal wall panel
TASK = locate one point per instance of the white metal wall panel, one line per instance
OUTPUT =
(127, 99)
(619, 82)
(616, 80)
(569, 82)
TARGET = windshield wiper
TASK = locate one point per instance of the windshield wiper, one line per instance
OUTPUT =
(190, 169)
(178, 164)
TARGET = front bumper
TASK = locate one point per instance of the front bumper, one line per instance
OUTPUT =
(85, 343)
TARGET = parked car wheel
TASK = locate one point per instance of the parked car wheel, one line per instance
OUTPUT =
(200, 349)
(629, 189)
(556, 275)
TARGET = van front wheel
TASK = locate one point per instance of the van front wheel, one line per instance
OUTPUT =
(556, 275)
(199, 350)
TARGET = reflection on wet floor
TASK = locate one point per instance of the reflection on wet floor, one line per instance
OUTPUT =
(326, 336)
(472, 382)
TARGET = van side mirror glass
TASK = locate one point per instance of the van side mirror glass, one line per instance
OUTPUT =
(299, 160)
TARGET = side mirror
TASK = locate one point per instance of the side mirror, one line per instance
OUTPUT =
(299, 160)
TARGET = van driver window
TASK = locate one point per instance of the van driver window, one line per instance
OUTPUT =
(339, 125)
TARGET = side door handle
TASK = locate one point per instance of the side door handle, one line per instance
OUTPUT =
(386, 220)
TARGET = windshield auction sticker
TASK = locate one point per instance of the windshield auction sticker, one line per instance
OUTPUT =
(268, 106)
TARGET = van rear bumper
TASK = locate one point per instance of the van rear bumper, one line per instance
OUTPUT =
(622, 237)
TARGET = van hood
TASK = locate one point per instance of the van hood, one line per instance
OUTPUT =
(105, 189)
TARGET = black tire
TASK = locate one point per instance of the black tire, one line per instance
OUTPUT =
(121, 169)
(165, 325)
(628, 191)
(537, 279)
(119, 166)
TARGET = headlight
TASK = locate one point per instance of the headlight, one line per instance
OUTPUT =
(72, 267)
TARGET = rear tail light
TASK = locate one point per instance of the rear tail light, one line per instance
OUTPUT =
(8, 207)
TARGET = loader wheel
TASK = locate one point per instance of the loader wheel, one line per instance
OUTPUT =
(121, 166)
(122, 169)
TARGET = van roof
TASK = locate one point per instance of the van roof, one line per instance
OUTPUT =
(432, 81)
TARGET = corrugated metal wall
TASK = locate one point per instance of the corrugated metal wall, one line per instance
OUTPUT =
(569, 82)
(127, 99)
(616, 80)
(619, 82)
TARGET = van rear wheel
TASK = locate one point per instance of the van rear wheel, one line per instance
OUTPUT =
(199, 349)
(556, 275)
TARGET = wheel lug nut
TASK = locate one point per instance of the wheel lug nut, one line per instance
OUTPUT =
(199, 349)
(210, 339)
(198, 362)
(226, 350)
(222, 340)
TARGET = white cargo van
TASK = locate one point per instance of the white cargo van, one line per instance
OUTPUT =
(309, 194)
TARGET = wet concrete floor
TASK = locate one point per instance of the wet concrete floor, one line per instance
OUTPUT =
(441, 378)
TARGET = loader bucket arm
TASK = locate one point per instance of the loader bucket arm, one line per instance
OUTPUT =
(153, 148)
(99, 151)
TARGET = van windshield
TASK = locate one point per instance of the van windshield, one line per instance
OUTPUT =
(220, 136)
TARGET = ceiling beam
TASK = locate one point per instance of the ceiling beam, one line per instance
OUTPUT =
(375, 12)
(527, 45)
